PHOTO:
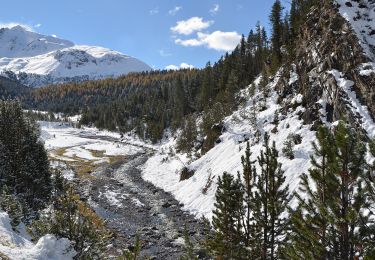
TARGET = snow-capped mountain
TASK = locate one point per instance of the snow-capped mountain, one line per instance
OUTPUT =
(36, 59)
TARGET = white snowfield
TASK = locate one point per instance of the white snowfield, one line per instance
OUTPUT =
(33, 53)
(83, 143)
(17, 246)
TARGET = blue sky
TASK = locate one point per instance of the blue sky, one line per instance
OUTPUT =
(160, 33)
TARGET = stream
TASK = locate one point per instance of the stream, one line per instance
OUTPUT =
(132, 206)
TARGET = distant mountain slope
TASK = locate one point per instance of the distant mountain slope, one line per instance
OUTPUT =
(36, 59)
(10, 89)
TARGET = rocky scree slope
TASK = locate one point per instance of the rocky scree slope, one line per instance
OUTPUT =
(332, 54)
(332, 78)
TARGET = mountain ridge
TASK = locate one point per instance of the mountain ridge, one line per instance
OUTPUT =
(35, 59)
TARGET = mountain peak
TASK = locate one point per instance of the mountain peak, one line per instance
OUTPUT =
(43, 59)
(19, 28)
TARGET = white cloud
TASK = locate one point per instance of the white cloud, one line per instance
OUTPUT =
(54, 35)
(215, 9)
(189, 42)
(218, 40)
(154, 11)
(164, 53)
(37, 25)
(175, 10)
(191, 25)
(182, 66)
(13, 24)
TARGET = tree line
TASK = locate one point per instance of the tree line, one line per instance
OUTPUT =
(151, 102)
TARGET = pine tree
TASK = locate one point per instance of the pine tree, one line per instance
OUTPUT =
(271, 199)
(348, 168)
(309, 225)
(180, 103)
(330, 223)
(294, 18)
(187, 139)
(226, 242)
(248, 175)
(207, 90)
(276, 39)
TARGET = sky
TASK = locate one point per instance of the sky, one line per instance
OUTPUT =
(162, 33)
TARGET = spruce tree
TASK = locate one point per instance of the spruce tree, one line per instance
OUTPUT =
(24, 163)
(271, 199)
(226, 241)
(10, 204)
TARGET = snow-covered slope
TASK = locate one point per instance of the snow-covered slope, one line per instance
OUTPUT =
(17, 246)
(332, 78)
(164, 171)
(361, 16)
(17, 42)
(36, 59)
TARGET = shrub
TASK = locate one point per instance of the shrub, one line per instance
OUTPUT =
(187, 139)
(186, 173)
(10, 204)
(291, 140)
(133, 252)
(288, 149)
(209, 182)
(73, 219)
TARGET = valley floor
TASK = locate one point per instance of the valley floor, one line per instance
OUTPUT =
(108, 172)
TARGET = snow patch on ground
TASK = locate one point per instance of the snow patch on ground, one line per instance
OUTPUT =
(293, 76)
(18, 247)
(355, 105)
(87, 142)
(137, 202)
(111, 197)
(367, 69)
(361, 16)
